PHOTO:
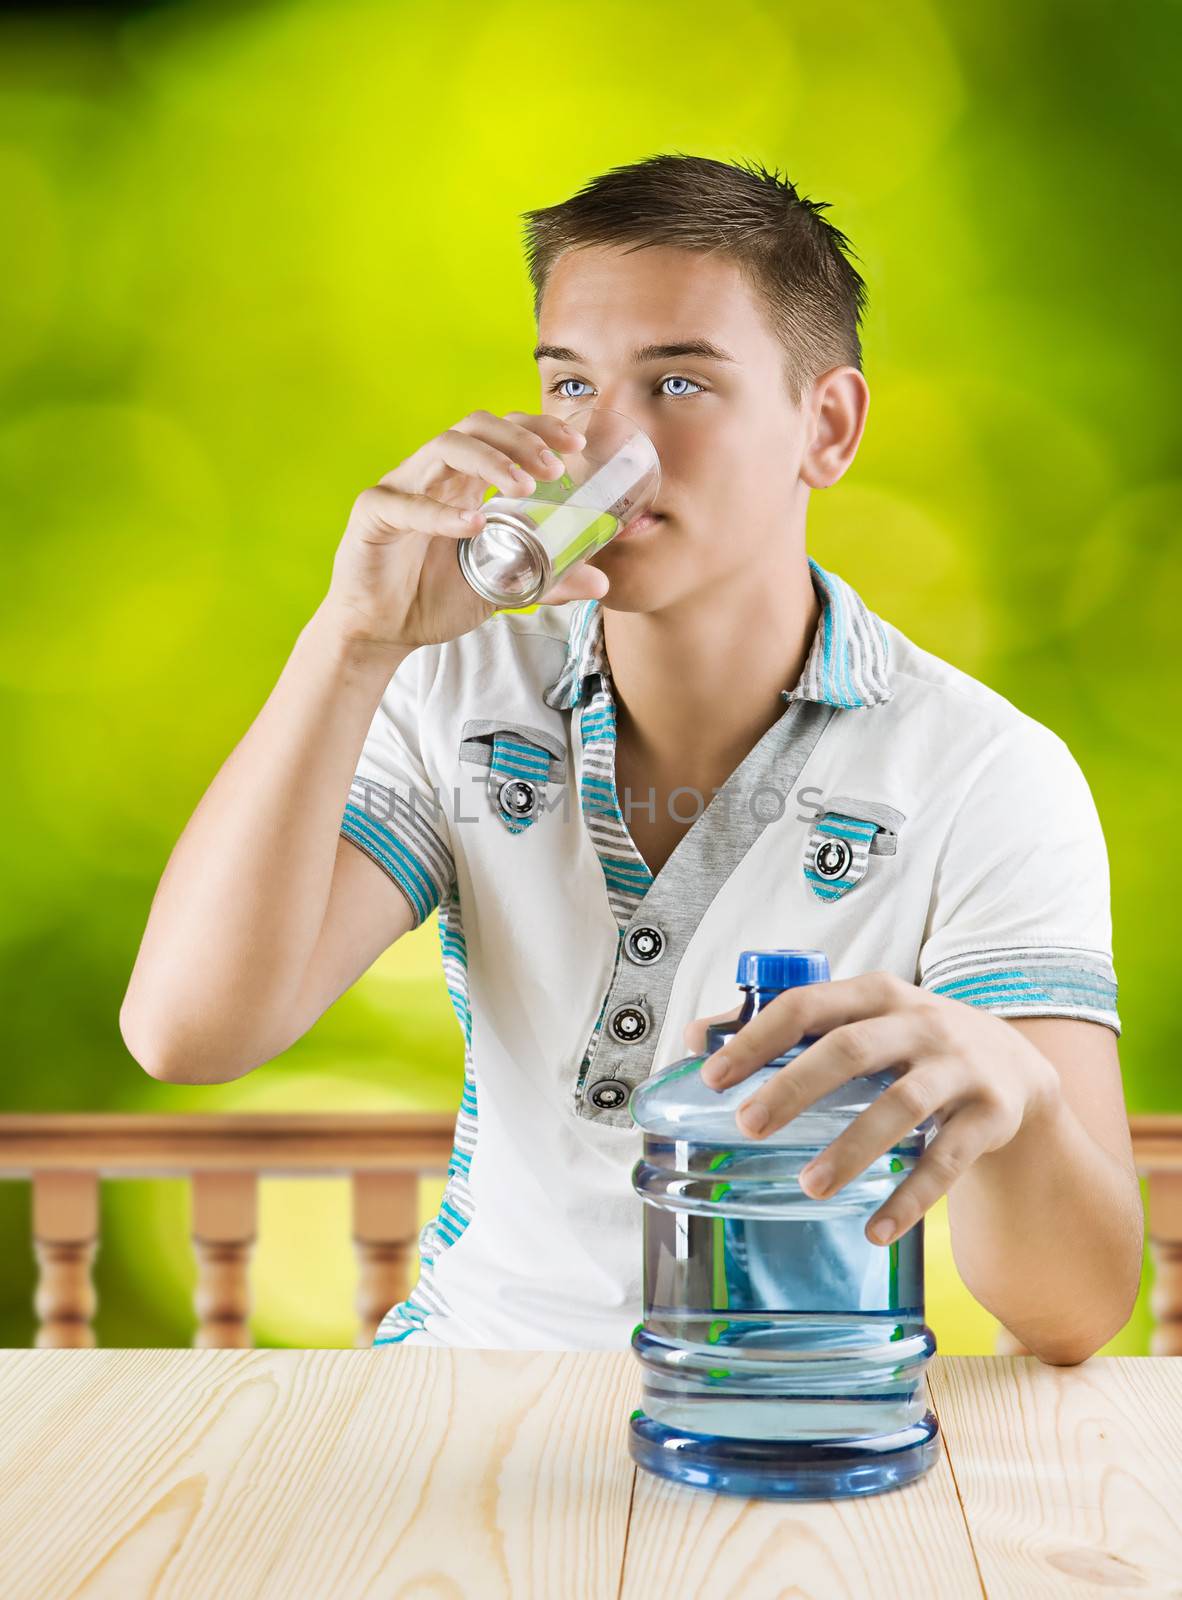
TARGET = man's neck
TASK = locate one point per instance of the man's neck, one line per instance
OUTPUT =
(698, 684)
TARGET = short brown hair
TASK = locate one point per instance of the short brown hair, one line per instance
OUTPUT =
(789, 254)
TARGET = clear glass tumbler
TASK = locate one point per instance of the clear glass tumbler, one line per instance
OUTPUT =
(528, 541)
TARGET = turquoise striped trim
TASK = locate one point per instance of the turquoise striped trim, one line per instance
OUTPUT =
(856, 832)
(586, 620)
(567, 689)
(397, 1338)
(626, 873)
(410, 874)
(514, 758)
(850, 830)
(827, 647)
(460, 1006)
(1053, 980)
(848, 664)
(518, 760)
(454, 1216)
(454, 949)
(1025, 985)
(828, 888)
(449, 1224)
(598, 796)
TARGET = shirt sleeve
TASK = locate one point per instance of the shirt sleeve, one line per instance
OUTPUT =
(1020, 920)
(394, 811)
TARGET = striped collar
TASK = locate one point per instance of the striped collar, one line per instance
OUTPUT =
(847, 663)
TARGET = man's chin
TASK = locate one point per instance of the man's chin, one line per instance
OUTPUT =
(641, 582)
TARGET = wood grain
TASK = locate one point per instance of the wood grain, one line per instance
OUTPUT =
(1070, 1477)
(447, 1474)
(319, 1473)
(693, 1545)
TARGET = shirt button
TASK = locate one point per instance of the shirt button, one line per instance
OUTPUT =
(627, 1024)
(833, 858)
(607, 1094)
(644, 945)
(517, 796)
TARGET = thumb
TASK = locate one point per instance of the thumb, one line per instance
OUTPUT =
(581, 582)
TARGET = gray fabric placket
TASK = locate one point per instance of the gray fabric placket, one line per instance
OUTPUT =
(680, 895)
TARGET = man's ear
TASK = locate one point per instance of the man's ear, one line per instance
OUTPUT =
(841, 399)
(694, 1032)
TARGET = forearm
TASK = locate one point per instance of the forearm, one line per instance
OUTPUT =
(1047, 1233)
(242, 900)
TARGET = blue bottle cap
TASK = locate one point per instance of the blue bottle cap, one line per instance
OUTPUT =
(782, 969)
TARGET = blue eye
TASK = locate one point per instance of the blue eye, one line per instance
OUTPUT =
(558, 388)
(677, 379)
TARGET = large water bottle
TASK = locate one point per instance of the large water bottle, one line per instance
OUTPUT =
(784, 1354)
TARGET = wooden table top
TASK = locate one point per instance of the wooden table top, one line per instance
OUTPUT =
(443, 1475)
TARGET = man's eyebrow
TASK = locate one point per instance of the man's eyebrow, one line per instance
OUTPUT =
(702, 348)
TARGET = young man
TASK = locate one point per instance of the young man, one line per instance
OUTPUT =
(700, 742)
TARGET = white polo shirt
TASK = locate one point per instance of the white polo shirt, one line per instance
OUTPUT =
(898, 814)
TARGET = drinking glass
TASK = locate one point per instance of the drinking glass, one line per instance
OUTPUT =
(528, 541)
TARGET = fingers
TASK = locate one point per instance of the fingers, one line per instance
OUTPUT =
(482, 449)
(867, 1044)
(814, 1008)
(803, 1081)
(694, 1032)
(890, 1118)
(553, 431)
(387, 512)
(962, 1139)
(478, 459)
(535, 448)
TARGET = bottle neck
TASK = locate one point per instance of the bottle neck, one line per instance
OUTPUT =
(753, 1000)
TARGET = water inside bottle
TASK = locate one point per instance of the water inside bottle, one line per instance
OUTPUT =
(769, 1314)
(783, 1353)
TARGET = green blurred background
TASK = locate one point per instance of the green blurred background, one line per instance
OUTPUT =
(253, 256)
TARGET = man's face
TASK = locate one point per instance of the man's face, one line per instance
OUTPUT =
(729, 440)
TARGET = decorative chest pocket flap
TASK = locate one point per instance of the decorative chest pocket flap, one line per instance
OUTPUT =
(524, 764)
(842, 840)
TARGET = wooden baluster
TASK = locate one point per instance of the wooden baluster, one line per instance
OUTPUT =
(65, 1238)
(225, 1225)
(385, 1227)
(1163, 1227)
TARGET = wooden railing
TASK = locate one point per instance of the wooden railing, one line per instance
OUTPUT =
(384, 1155)
(223, 1157)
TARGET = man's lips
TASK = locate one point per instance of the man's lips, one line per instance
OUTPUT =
(641, 524)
